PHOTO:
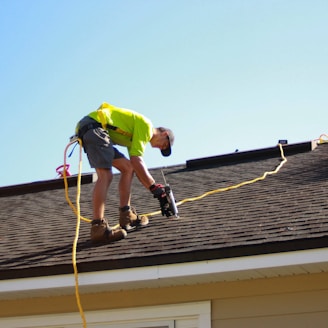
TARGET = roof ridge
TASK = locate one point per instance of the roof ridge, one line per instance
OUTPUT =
(251, 155)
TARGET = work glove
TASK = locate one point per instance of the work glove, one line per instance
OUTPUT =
(158, 190)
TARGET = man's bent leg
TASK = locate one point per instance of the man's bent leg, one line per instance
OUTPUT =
(127, 172)
(129, 220)
(100, 190)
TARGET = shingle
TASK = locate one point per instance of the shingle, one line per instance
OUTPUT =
(285, 211)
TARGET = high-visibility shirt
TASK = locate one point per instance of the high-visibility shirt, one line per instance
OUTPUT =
(133, 130)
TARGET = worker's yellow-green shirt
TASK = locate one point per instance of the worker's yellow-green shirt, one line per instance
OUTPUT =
(137, 129)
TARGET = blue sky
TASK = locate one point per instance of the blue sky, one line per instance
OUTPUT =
(224, 75)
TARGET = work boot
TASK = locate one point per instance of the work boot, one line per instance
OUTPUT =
(129, 220)
(102, 233)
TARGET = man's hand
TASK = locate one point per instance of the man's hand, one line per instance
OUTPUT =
(158, 190)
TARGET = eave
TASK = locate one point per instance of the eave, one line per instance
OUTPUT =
(207, 271)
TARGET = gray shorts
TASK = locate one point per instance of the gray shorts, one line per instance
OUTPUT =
(99, 148)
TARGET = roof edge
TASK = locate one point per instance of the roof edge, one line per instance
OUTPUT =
(171, 258)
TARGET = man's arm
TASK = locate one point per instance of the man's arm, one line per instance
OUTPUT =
(148, 181)
(141, 171)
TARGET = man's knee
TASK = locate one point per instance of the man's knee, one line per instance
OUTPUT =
(124, 166)
(104, 174)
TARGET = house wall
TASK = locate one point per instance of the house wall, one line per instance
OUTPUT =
(293, 301)
(300, 301)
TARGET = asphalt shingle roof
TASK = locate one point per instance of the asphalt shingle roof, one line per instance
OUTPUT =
(286, 211)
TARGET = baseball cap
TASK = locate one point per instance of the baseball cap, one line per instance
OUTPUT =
(170, 137)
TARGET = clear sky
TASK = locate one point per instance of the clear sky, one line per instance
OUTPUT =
(223, 74)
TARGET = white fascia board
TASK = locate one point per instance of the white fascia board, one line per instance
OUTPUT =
(166, 275)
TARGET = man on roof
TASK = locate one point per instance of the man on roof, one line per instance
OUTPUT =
(100, 131)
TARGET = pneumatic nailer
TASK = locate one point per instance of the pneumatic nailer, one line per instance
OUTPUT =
(170, 209)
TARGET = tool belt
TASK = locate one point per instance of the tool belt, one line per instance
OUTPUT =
(93, 125)
(83, 130)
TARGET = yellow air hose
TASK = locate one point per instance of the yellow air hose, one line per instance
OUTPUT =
(322, 139)
(78, 219)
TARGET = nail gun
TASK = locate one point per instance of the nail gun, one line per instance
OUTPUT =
(171, 209)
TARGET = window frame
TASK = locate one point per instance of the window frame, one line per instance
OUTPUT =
(198, 314)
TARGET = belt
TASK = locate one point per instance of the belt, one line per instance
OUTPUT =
(94, 125)
(88, 127)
